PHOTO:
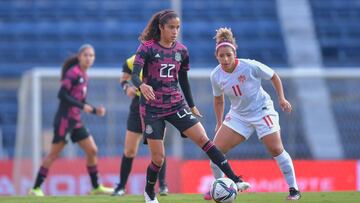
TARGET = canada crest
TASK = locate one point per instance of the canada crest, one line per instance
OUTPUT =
(242, 79)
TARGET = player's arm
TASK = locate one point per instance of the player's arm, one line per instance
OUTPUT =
(284, 104)
(129, 89)
(185, 87)
(219, 105)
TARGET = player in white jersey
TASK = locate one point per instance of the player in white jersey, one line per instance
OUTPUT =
(251, 107)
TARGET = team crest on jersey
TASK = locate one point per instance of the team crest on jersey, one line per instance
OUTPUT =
(242, 79)
(177, 56)
(148, 129)
(81, 80)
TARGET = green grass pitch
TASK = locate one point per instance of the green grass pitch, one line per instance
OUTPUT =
(313, 197)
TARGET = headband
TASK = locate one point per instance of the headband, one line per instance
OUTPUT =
(165, 14)
(225, 44)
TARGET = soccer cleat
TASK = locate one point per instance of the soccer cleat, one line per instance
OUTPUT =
(118, 192)
(242, 186)
(207, 196)
(163, 190)
(101, 190)
(294, 194)
(149, 200)
(36, 192)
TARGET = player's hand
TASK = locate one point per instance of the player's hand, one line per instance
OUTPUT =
(87, 108)
(131, 91)
(101, 111)
(196, 112)
(147, 91)
(285, 105)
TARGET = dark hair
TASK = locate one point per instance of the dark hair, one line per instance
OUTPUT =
(152, 30)
(73, 60)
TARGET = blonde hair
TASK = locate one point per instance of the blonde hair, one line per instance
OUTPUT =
(224, 36)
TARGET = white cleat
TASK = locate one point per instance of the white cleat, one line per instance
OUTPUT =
(149, 200)
(242, 186)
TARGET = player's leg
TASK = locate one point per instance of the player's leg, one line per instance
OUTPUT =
(268, 130)
(275, 147)
(188, 125)
(132, 140)
(55, 150)
(133, 137)
(154, 133)
(163, 188)
(87, 143)
(61, 128)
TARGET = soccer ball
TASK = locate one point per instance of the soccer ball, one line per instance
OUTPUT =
(223, 190)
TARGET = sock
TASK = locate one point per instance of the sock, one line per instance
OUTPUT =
(162, 173)
(151, 176)
(126, 165)
(40, 178)
(93, 173)
(287, 168)
(219, 159)
(217, 173)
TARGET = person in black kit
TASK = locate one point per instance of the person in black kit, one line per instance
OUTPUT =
(133, 133)
(165, 63)
(72, 96)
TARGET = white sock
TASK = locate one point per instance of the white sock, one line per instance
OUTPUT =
(217, 173)
(287, 168)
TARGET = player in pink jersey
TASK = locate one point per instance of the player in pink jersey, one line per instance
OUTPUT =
(165, 62)
(251, 107)
(72, 96)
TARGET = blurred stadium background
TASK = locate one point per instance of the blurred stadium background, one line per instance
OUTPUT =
(313, 44)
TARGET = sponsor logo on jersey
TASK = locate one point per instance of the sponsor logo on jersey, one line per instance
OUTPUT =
(242, 79)
(81, 80)
(157, 55)
(148, 129)
(192, 117)
(177, 56)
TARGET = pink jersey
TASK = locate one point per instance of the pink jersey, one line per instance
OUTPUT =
(160, 70)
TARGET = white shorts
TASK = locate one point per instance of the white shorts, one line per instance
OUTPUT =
(264, 122)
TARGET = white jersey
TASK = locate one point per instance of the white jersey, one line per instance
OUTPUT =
(243, 87)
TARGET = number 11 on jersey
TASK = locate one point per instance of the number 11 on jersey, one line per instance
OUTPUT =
(236, 89)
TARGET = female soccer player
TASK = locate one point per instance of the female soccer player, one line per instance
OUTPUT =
(72, 96)
(165, 63)
(133, 133)
(251, 107)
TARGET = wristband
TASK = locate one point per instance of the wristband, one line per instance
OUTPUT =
(94, 110)
(125, 84)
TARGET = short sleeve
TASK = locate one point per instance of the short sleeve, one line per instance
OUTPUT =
(261, 70)
(69, 79)
(185, 64)
(215, 84)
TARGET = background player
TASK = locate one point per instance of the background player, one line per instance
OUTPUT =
(133, 133)
(165, 63)
(72, 95)
(251, 107)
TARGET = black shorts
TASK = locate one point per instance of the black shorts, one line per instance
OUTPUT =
(76, 134)
(134, 120)
(182, 120)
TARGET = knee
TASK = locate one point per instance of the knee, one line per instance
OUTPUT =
(276, 151)
(92, 152)
(158, 159)
(130, 152)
